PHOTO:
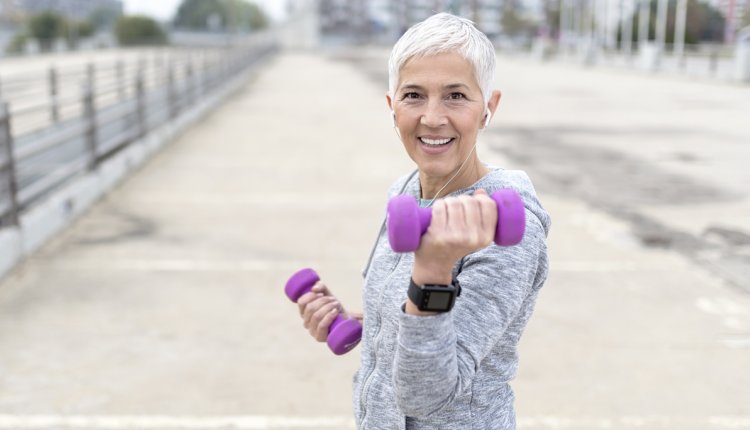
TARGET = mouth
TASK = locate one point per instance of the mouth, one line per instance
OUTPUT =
(436, 142)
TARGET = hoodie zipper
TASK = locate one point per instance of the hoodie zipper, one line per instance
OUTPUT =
(368, 377)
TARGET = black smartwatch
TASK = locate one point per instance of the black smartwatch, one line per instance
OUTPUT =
(434, 298)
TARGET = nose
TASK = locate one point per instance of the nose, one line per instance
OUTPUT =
(434, 115)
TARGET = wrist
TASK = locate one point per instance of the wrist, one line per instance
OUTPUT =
(432, 272)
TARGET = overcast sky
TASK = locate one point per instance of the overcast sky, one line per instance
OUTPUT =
(165, 9)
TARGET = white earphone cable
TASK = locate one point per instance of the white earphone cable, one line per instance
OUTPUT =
(473, 148)
(452, 177)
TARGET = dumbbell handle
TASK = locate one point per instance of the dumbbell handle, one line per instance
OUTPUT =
(343, 334)
(425, 218)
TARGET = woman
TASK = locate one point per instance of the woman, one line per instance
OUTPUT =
(437, 367)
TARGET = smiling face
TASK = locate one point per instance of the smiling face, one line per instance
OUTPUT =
(439, 111)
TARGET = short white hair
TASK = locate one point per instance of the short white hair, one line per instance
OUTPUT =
(443, 33)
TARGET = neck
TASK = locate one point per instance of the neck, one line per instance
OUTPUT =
(473, 171)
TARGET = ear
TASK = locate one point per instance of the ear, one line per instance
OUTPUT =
(389, 101)
(491, 107)
(493, 102)
(390, 107)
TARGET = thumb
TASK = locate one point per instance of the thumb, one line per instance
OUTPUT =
(321, 288)
(355, 316)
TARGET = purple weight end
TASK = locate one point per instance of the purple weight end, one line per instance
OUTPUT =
(344, 336)
(404, 230)
(300, 283)
(511, 217)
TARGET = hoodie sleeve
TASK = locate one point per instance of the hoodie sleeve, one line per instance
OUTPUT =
(437, 356)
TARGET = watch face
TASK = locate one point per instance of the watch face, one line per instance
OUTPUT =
(439, 300)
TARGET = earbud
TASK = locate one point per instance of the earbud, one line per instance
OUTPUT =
(395, 127)
(487, 119)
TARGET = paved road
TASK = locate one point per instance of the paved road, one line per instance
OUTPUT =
(162, 307)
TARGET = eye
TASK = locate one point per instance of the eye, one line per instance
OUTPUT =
(410, 96)
(456, 96)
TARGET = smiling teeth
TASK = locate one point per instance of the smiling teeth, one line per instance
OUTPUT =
(435, 141)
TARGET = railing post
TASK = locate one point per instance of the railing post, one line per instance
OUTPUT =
(7, 164)
(140, 102)
(171, 92)
(713, 60)
(206, 74)
(91, 75)
(120, 71)
(190, 90)
(143, 69)
(53, 92)
(89, 119)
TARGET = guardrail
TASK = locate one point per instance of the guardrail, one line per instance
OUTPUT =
(61, 124)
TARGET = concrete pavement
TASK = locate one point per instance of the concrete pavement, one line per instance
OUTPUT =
(164, 301)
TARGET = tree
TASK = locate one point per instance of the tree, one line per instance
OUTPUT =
(76, 30)
(83, 28)
(551, 26)
(255, 16)
(233, 14)
(703, 23)
(512, 22)
(17, 44)
(46, 27)
(139, 30)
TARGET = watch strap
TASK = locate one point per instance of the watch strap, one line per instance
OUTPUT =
(415, 293)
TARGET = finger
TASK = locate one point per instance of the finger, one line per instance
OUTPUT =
(315, 305)
(456, 215)
(325, 323)
(317, 317)
(473, 215)
(439, 215)
(306, 299)
(355, 316)
(322, 288)
(312, 308)
(480, 191)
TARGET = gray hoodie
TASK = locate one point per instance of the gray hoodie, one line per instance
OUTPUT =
(452, 370)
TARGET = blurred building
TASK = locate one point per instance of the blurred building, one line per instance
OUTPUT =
(734, 12)
(390, 18)
(13, 10)
(10, 11)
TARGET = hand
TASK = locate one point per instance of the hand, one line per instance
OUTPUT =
(460, 225)
(355, 316)
(318, 308)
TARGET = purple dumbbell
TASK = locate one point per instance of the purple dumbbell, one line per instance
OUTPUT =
(407, 222)
(343, 334)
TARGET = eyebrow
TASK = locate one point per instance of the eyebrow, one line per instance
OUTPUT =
(448, 87)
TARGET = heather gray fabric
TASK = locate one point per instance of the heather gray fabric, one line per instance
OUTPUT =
(450, 371)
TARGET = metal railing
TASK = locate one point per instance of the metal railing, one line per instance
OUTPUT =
(58, 124)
